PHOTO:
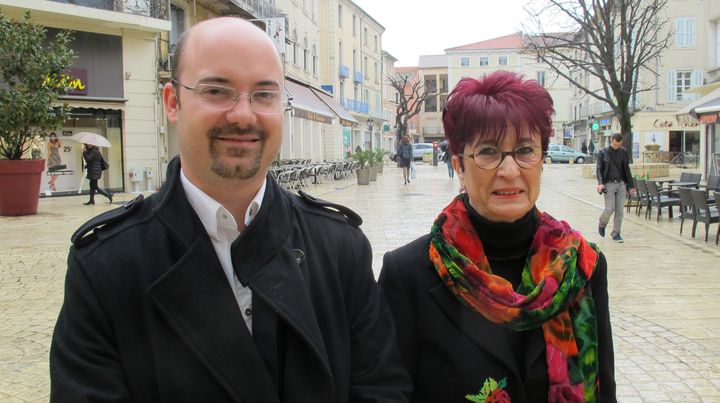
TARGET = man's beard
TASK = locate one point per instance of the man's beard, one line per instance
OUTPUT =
(248, 163)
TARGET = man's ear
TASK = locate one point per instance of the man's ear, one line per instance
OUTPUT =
(171, 102)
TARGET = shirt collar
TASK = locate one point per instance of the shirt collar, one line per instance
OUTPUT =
(208, 209)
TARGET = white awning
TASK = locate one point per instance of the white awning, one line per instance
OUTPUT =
(307, 105)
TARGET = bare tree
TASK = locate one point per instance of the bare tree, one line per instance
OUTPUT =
(412, 95)
(605, 44)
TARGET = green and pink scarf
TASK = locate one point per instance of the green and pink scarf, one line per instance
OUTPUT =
(551, 293)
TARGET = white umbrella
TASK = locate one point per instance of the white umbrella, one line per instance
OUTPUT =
(90, 138)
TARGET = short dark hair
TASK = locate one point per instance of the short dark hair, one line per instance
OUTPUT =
(175, 64)
(617, 137)
(482, 108)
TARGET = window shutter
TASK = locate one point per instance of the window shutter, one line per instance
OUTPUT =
(679, 30)
(671, 88)
(696, 80)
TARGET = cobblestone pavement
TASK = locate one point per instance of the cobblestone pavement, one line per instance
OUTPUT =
(663, 287)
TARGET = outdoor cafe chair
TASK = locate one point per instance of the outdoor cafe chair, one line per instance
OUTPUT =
(687, 208)
(660, 199)
(704, 212)
(633, 200)
(716, 195)
(644, 197)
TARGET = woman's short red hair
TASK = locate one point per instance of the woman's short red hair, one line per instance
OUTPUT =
(482, 109)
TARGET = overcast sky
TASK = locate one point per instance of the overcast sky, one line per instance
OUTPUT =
(416, 27)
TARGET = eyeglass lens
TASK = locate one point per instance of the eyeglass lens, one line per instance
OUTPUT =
(219, 97)
(491, 157)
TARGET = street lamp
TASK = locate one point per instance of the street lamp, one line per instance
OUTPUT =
(370, 124)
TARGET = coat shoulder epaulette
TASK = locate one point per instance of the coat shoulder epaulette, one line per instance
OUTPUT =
(87, 232)
(350, 216)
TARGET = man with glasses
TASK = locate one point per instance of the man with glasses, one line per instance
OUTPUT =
(614, 180)
(223, 286)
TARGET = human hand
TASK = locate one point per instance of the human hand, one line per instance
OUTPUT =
(600, 189)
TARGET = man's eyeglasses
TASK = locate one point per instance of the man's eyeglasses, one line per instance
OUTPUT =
(526, 156)
(222, 98)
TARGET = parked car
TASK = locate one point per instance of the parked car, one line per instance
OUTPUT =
(561, 153)
(419, 149)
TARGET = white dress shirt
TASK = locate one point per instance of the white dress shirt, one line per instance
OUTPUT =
(222, 228)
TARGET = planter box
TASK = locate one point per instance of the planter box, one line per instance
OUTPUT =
(363, 176)
(373, 173)
(20, 186)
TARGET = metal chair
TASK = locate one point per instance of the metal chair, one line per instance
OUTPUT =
(716, 195)
(687, 207)
(704, 212)
(644, 197)
(660, 199)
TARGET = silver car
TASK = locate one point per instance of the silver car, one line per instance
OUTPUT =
(419, 149)
(562, 153)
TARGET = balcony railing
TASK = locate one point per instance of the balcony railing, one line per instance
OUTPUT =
(343, 71)
(358, 77)
(148, 8)
(357, 106)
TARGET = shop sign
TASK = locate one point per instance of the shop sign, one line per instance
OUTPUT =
(77, 82)
(668, 124)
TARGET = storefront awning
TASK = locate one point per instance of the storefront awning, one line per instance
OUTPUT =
(306, 105)
(346, 119)
(709, 104)
(93, 102)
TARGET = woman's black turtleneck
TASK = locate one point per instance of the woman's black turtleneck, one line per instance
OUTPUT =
(506, 246)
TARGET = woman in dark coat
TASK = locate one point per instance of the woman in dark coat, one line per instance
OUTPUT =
(405, 156)
(94, 163)
(501, 302)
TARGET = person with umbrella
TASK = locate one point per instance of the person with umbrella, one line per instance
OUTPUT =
(94, 164)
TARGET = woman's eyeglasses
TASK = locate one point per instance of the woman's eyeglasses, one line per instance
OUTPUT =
(222, 98)
(526, 156)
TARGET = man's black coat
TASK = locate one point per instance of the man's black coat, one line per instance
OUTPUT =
(149, 315)
(603, 164)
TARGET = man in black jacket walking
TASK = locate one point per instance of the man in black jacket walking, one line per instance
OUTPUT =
(614, 180)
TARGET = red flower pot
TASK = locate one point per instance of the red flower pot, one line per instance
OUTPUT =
(20, 186)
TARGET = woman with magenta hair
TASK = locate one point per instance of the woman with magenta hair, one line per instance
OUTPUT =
(501, 301)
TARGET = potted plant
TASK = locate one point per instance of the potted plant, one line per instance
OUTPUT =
(363, 171)
(33, 73)
(379, 155)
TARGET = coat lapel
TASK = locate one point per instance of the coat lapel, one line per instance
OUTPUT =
(487, 335)
(264, 258)
(197, 302)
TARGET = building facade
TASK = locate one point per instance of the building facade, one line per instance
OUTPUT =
(351, 45)
(114, 79)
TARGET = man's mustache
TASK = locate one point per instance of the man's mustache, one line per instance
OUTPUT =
(237, 130)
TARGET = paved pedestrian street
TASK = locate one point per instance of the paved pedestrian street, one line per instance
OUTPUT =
(663, 287)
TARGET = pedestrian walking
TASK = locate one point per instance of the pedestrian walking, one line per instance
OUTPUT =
(405, 154)
(224, 287)
(447, 159)
(95, 164)
(614, 181)
(501, 301)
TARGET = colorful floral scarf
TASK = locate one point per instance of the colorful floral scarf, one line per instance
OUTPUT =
(551, 293)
